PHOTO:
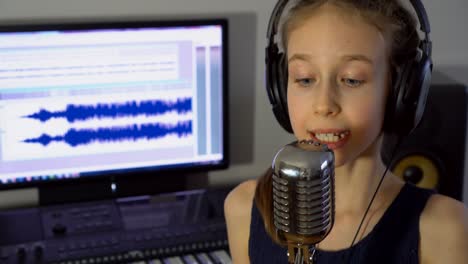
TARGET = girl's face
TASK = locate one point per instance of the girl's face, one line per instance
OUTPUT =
(337, 85)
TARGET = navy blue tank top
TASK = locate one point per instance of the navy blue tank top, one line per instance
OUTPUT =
(394, 239)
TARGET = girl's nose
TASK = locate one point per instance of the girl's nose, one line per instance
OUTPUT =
(325, 103)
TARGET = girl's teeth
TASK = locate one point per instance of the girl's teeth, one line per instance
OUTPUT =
(331, 137)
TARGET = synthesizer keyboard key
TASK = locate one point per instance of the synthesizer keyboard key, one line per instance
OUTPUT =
(190, 259)
(204, 259)
(221, 256)
(173, 260)
(215, 258)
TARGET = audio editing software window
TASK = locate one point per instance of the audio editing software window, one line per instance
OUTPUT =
(84, 101)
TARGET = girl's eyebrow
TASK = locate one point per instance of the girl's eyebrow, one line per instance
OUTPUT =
(358, 57)
(350, 57)
(300, 57)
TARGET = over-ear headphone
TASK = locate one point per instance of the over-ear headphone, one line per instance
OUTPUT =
(407, 99)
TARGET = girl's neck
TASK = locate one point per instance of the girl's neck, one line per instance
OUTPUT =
(356, 182)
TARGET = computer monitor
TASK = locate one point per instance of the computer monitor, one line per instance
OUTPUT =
(90, 100)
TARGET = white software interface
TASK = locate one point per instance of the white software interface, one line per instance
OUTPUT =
(74, 102)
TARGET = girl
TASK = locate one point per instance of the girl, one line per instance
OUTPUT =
(342, 56)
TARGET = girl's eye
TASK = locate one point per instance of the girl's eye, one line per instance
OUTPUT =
(304, 82)
(352, 82)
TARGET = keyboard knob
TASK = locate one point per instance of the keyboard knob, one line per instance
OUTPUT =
(21, 254)
(59, 229)
(38, 252)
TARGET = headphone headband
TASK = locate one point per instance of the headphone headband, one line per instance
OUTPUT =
(417, 5)
(275, 18)
(425, 26)
(422, 16)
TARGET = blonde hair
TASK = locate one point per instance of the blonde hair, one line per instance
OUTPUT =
(390, 17)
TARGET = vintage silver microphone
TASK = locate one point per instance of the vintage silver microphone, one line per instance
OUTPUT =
(303, 197)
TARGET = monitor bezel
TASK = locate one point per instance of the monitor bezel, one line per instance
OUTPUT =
(141, 174)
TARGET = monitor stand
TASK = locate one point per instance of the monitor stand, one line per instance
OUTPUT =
(147, 183)
(102, 188)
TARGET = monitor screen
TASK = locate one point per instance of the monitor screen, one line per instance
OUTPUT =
(89, 100)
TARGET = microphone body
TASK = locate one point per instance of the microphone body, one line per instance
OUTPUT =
(303, 197)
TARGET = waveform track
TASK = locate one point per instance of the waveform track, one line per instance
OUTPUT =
(75, 113)
(75, 137)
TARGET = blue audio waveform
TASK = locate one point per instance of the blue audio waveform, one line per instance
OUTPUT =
(75, 137)
(114, 110)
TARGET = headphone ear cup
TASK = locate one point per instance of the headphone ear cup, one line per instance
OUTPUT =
(392, 120)
(283, 92)
(390, 105)
(276, 85)
(418, 88)
(410, 94)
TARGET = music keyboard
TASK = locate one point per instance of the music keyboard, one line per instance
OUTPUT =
(214, 257)
(186, 227)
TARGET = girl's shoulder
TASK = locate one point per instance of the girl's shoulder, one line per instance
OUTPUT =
(444, 231)
(239, 201)
(237, 211)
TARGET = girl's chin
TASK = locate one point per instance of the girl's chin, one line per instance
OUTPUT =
(343, 157)
(340, 160)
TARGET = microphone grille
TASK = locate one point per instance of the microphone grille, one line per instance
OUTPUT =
(303, 186)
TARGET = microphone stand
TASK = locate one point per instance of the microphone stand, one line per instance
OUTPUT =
(300, 254)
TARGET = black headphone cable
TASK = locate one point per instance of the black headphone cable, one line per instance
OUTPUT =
(398, 142)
